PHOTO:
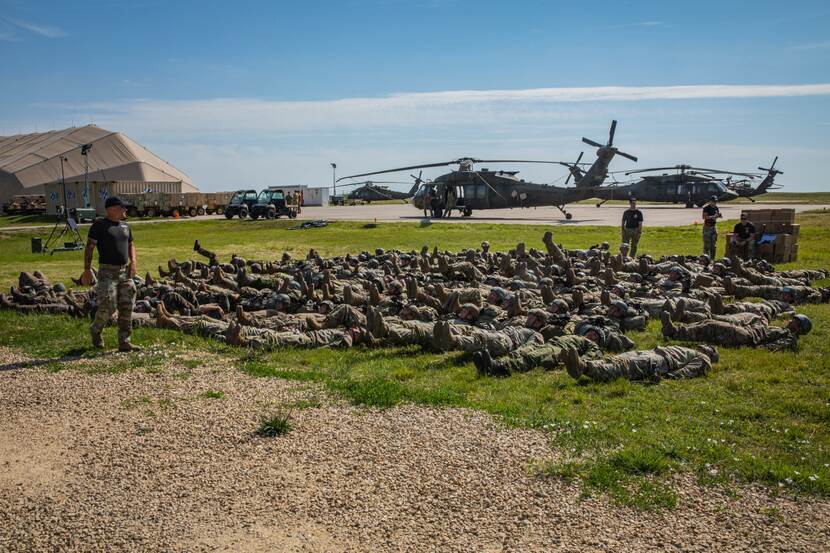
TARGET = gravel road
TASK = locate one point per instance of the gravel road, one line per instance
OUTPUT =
(143, 460)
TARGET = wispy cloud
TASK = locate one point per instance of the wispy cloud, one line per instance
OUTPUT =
(812, 46)
(636, 24)
(405, 110)
(47, 31)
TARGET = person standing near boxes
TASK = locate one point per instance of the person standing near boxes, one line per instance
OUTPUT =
(711, 214)
(743, 238)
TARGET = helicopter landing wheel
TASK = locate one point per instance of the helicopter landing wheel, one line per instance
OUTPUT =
(569, 216)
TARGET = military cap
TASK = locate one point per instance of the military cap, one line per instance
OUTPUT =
(116, 201)
(713, 198)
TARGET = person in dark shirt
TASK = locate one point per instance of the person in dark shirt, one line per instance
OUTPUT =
(711, 214)
(632, 226)
(743, 238)
(115, 290)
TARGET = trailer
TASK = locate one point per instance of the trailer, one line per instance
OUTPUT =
(25, 204)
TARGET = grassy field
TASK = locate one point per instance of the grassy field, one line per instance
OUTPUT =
(758, 417)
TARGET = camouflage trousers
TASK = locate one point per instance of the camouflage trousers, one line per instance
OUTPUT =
(546, 356)
(666, 362)
(262, 338)
(720, 333)
(631, 236)
(497, 342)
(115, 291)
(710, 241)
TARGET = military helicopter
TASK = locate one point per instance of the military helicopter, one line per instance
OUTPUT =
(466, 189)
(376, 191)
(598, 172)
(744, 187)
(692, 186)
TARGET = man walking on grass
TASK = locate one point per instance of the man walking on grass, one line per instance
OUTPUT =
(115, 290)
(632, 226)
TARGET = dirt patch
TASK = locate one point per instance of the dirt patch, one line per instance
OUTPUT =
(150, 461)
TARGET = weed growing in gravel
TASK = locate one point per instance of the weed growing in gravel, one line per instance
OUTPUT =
(276, 424)
(212, 394)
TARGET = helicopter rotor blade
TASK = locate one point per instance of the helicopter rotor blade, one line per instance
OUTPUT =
(721, 172)
(628, 156)
(411, 167)
(611, 133)
(592, 143)
(515, 161)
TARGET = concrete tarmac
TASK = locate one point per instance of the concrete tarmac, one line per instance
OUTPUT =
(657, 215)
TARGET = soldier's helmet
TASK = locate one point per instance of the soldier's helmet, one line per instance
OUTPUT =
(704, 259)
(604, 246)
(395, 287)
(677, 269)
(469, 312)
(327, 303)
(59, 287)
(379, 251)
(412, 310)
(788, 291)
(620, 306)
(585, 330)
(485, 245)
(559, 306)
(283, 299)
(539, 315)
(725, 261)
(718, 268)
(624, 247)
(804, 323)
(618, 290)
(499, 292)
(710, 351)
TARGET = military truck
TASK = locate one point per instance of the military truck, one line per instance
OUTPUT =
(241, 204)
(273, 204)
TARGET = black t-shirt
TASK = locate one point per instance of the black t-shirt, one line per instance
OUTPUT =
(113, 241)
(744, 230)
(710, 210)
(632, 218)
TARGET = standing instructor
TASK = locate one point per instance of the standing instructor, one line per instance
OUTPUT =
(632, 226)
(115, 290)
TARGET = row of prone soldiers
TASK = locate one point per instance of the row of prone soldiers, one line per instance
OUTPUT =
(512, 311)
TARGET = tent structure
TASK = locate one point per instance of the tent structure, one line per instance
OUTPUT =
(29, 161)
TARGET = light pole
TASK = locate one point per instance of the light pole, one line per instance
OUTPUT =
(63, 183)
(85, 152)
(334, 178)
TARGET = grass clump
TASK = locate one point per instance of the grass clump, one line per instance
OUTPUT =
(212, 394)
(275, 424)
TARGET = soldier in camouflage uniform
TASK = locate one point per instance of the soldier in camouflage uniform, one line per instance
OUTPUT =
(526, 358)
(711, 214)
(652, 365)
(722, 333)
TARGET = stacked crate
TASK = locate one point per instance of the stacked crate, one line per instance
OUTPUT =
(780, 225)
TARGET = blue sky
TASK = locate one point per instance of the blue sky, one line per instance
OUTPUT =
(259, 93)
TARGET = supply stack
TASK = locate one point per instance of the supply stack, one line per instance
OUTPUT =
(776, 234)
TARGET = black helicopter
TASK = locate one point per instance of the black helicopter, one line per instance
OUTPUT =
(376, 191)
(467, 189)
(744, 189)
(691, 186)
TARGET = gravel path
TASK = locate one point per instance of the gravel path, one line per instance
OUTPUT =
(145, 461)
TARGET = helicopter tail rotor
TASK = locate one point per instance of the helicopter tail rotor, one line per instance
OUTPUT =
(772, 170)
(574, 168)
(418, 182)
(609, 146)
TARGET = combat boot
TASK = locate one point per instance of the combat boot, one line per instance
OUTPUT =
(128, 346)
(573, 363)
(669, 327)
(97, 341)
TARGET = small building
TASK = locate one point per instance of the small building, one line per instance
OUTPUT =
(318, 196)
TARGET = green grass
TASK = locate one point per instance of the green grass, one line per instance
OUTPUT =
(759, 417)
(276, 424)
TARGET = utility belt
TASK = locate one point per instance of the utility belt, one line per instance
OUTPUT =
(107, 267)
